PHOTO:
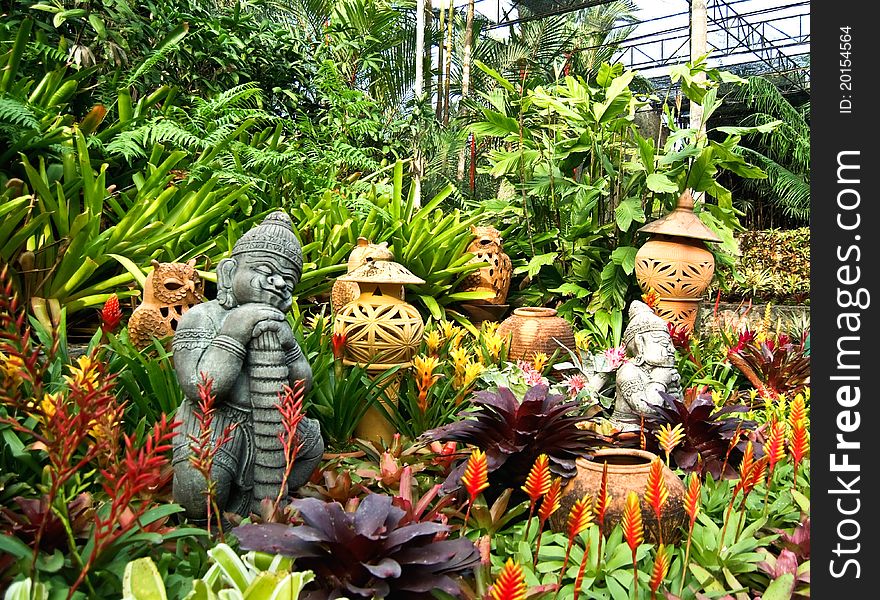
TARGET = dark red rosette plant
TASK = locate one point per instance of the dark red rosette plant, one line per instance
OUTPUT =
(514, 432)
(371, 552)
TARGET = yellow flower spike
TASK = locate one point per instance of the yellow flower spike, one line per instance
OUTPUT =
(582, 339)
(433, 341)
(459, 358)
(84, 375)
(494, 343)
(448, 329)
(489, 328)
(539, 361)
(11, 367)
(471, 372)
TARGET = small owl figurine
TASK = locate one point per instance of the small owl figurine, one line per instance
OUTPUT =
(170, 290)
(344, 292)
(494, 276)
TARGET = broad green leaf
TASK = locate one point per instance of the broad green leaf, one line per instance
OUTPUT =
(495, 75)
(780, 588)
(628, 211)
(625, 256)
(702, 173)
(660, 183)
(141, 581)
(232, 566)
(536, 263)
(27, 590)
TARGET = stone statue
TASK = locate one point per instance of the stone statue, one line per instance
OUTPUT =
(244, 344)
(650, 368)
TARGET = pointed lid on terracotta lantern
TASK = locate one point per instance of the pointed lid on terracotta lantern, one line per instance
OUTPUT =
(381, 271)
(682, 222)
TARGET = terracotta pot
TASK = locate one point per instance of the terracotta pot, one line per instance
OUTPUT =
(675, 263)
(679, 270)
(627, 471)
(536, 329)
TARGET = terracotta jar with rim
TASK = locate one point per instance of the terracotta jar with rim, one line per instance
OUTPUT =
(534, 329)
(628, 470)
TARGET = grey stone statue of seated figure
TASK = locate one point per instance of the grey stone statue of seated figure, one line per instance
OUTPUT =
(243, 343)
(650, 368)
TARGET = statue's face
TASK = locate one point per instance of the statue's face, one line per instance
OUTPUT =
(263, 278)
(657, 349)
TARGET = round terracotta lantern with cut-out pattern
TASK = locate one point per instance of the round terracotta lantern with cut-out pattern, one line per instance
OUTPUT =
(676, 264)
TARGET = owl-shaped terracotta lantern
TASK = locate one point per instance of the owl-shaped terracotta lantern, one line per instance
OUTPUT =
(364, 252)
(169, 291)
(495, 275)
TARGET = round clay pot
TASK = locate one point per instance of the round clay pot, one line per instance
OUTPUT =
(679, 269)
(627, 471)
(534, 329)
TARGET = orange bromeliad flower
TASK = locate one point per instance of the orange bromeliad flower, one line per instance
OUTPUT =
(656, 493)
(774, 448)
(476, 474)
(580, 517)
(661, 568)
(538, 481)
(798, 412)
(651, 298)
(539, 361)
(799, 443)
(632, 522)
(425, 377)
(669, 438)
(550, 502)
(692, 498)
(511, 583)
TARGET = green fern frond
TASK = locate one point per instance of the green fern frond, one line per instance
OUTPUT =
(15, 112)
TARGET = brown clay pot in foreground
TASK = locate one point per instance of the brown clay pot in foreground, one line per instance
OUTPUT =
(534, 329)
(627, 471)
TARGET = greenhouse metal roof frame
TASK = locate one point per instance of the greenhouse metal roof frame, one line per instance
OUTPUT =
(771, 41)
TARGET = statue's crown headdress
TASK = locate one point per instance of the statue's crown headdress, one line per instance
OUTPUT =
(641, 320)
(274, 235)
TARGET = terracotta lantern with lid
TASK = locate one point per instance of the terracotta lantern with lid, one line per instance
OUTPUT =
(676, 264)
(381, 330)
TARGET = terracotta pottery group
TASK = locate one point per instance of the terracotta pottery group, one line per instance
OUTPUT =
(627, 471)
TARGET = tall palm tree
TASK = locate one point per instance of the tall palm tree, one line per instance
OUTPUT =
(784, 152)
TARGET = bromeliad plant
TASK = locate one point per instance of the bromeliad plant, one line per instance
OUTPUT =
(711, 441)
(514, 432)
(366, 553)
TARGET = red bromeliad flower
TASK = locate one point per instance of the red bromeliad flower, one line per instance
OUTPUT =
(111, 315)
(692, 507)
(681, 336)
(745, 467)
(632, 522)
(337, 341)
(774, 447)
(692, 499)
(656, 493)
(549, 504)
(633, 532)
(661, 568)
(538, 480)
(476, 474)
(579, 518)
(511, 583)
(537, 484)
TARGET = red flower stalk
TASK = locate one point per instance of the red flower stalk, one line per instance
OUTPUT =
(745, 467)
(537, 484)
(204, 446)
(290, 405)
(579, 518)
(774, 450)
(581, 570)
(799, 444)
(656, 493)
(549, 504)
(139, 474)
(511, 583)
(633, 532)
(603, 501)
(475, 479)
(692, 507)
(661, 568)
(753, 478)
(111, 315)
(734, 440)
